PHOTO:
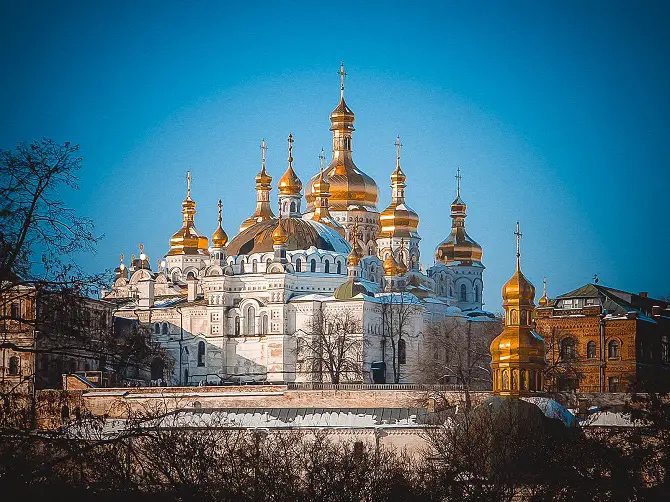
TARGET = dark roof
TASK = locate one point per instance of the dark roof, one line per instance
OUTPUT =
(615, 301)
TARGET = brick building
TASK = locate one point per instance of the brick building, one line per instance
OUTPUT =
(601, 339)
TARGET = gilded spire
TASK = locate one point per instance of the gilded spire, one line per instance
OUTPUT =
(219, 237)
(188, 240)
(289, 183)
(458, 182)
(518, 235)
(544, 301)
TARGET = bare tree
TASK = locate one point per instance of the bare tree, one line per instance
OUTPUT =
(400, 313)
(563, 358)
(331, 345)
(458, 351)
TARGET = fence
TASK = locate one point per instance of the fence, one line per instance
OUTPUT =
(382, 386)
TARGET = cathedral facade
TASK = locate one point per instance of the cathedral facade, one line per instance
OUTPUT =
(244, 309)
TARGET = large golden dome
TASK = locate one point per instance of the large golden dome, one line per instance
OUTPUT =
(518, 290)
(188, 240)
(349, 186)
(302, 234)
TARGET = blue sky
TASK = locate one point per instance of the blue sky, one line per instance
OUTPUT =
(556, 113)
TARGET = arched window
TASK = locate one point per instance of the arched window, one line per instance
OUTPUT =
(298, 265)
(522, 380)
(451, 291)
(237, 325)
(164, 329)
(14, 310)
(264, 324)
(567, 349)
(268, 261)
(293, 207)
(186, 382)
(402, 352)
(514, 317)
(524, 317)
(533, 383)
(327, 267)
(515, 379)
(312, 265)
(157, 328)
(477, 294)
(665, 349)
(250, 321)
(613, 384)
(201, 353)
(613, 349)
(14, 365)
(157, 367)
(591, 350)
(339, 267)
(463, 293)
(505, 380)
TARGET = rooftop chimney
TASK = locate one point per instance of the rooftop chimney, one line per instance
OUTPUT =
(644, 294)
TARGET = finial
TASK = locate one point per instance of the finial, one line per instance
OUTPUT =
(342, 74)
(458, 182)
(264, 149)
(290, 149)
(398, 146)
(322, 159)
(220, 208)
(188, 184)
(121, 265)
(518, 246)
(595, 279)
(544, 287)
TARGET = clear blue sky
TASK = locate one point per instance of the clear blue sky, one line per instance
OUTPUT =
(557, 114)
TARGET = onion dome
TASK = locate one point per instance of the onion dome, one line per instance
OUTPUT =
(279, 236)
(263, 187)
(188, 240)
(289, 183)
(517, 354)
(390, 266)
(459, 248)
(544, 301)
(121, 270)
(142, 261)
(402, 266)
(302, 235)
(219, 237)
(321, 213)
(398, 219)
(349, 185)
(350, 289)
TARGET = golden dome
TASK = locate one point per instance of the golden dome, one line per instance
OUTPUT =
(302, 235)
(390, 265)
(398, 219)
(263, 186)
(544, 301)
(518, 290)
(289, 183)
(219, 237)
(188, 240)
(517, 354)
(458, 247)
(279, 236)
(349, 186)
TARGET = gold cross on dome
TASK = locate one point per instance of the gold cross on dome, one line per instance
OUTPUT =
(264, 149)
(398, 146)
(342, 74)
(188, 183)
(290, 147)
(322, 159)
(518, 240)
(220, 208)
(458, 181)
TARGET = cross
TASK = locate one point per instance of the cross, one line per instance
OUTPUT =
(220, 208)
(264, 149)
(342, 74)
(290, 147)
(141, 248)
(121, 256)
(518, 240)
(398, 146)
(322, 158)
(188, 183)
(458, 181)
(544, 287)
